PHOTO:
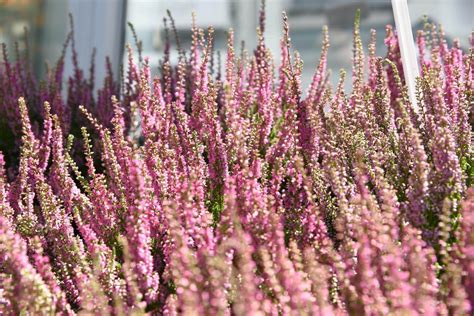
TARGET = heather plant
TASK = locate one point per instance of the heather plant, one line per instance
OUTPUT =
(201, 192)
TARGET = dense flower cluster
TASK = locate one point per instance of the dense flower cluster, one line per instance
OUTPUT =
(201, 192)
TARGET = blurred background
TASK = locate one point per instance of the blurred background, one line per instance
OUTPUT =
(103, 24)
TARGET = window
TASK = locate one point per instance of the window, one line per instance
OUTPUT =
(102, 24)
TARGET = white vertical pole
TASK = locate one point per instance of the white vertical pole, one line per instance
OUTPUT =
(246, 18)
(407, 47)
(98, 24)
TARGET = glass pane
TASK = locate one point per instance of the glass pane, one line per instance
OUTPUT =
(46, 22)
(307, 18)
